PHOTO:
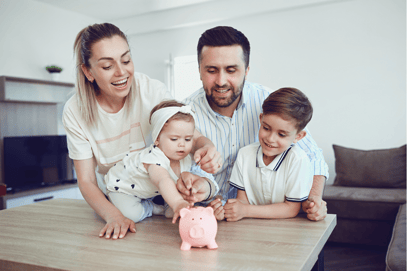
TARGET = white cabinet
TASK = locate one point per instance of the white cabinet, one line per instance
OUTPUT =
(20, 199)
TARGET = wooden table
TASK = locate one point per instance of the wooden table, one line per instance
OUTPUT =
(63, 234)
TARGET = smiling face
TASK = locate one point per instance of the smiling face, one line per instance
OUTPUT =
(276, 135)
(176, 138)
(222, 70)
(111, 67)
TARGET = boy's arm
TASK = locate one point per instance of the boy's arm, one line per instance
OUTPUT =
(236, 209)
(166, 186)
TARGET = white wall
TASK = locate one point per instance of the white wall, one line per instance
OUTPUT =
(34, 35)
(349, 57)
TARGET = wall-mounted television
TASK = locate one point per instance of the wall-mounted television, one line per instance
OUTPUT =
(36, 161)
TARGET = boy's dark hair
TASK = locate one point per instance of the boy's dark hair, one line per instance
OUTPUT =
(224, 36)
(289, 103)
(177, 116)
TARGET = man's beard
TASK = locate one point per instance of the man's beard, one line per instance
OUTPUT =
(228, 101)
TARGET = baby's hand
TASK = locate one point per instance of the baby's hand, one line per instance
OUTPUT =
(218, 210)
(178, 207)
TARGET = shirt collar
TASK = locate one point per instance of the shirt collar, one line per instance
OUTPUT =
(275, 164)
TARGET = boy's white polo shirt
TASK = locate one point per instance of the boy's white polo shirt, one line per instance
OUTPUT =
(288, 176)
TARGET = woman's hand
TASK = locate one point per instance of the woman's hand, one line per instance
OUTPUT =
(117, 227)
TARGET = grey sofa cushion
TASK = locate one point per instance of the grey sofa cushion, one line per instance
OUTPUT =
(365, 194)
(396, 253)
(374, 168)
(364, 203)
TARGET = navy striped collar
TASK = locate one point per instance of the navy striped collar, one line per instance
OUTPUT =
(276, 163)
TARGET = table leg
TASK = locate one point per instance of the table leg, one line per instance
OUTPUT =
(319, 265)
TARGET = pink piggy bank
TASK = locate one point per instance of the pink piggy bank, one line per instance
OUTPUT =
(198, 228)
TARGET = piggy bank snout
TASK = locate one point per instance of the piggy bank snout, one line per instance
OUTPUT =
(197, 232)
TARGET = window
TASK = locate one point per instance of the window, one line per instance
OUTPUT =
(183, 76)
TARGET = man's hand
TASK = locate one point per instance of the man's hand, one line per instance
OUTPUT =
(218, 210)
(208, 159)
(193, 188)
(234, 210)
(117, 227)
(315, 208)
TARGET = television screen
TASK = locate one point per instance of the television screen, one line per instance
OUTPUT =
(35, 161)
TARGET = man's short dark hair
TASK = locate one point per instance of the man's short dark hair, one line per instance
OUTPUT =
(224, 36)
(289, 104)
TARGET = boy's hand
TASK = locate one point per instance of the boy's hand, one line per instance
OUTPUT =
(192, 188)
(315, 208)
(177, 208)
(218, 210)
(234, 210)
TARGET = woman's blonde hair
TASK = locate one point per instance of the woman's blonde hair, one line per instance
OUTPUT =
(86, 90)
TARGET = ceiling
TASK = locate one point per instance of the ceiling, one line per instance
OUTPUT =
(147, 16)
(108, 10)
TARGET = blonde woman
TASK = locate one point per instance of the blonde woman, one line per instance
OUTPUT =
(108, 118)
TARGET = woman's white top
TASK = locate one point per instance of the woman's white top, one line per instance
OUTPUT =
(115, 135)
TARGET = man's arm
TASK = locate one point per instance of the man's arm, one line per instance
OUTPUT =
(206, 154)
(315, 207)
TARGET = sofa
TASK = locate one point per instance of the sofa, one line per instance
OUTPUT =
(369, 198)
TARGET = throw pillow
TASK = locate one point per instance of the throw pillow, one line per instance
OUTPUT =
(374, 168)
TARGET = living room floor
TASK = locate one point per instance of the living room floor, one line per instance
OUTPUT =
(348, 257)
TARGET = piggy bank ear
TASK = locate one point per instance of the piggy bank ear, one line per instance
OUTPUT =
(184, 212)
(208, 211)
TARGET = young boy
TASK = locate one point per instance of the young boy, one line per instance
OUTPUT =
(273, 176)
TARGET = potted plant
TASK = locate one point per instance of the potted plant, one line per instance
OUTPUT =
(54, 71)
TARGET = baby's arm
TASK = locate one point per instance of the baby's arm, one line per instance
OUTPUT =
(166, 186)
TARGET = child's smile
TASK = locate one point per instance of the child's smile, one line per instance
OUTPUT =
(276, 135)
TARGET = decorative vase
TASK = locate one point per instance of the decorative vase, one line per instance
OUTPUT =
(55, 76)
